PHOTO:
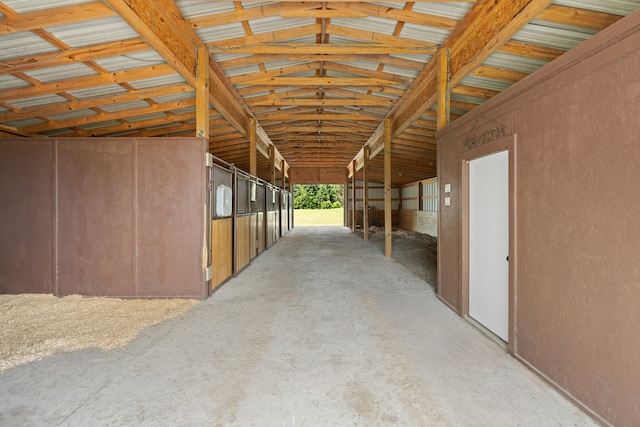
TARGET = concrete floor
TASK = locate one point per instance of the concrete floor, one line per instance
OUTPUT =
(321, 330)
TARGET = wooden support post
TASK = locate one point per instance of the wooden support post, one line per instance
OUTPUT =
(365, 193)
(353, 198)
(346, 199)
(387, 188)
(420, 191)
(272, 160)
(284, 184)
(202, 94)
(444, 88)
(253, 153)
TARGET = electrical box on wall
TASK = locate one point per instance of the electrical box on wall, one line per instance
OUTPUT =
(224, 196)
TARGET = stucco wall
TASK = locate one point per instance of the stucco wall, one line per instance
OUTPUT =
(576, 308)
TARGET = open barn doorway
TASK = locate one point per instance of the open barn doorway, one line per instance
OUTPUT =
(319, 204)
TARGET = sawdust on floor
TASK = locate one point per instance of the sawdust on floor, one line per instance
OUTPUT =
(33, 326)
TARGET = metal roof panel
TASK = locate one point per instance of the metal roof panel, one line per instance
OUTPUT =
(97, 31)
(132, 60)
(23, 44)
(157, 81)
(62, 72)
(26, 6)
(425, 34)
(97, 92)
(546, 35)
(38, 101)
(616, 7)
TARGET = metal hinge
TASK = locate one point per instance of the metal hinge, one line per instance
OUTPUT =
(209, 160)
(208, 273)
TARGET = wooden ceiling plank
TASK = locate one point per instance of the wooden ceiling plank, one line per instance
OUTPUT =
(530, 50)
(578, 17)
(287, 50)
(268, 37)
(87, 82)
(276, 72)
(71, 56)
(52, 109)
(373, 37)
(398, 14)
(105, 117)
(325, 102)
(405, 81)
(247, 14)
(55, 16)
(320, 81)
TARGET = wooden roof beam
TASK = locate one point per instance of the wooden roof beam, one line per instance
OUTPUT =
(497, 21)
(57, 16)
(161, 24)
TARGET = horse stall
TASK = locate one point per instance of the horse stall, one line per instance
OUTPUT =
(273, 214)
(120, 217)
(245, 221)
(222, 226)
(258, 207)
(284, 212)
(290, 211)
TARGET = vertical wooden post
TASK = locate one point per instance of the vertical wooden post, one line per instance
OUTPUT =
(202, 94)
(353, 198)
(365, 193)
(387, 188)
(444, 89)
(420, 191)
(284, 184)
(272, 160)
(345, 199)
(253, 153)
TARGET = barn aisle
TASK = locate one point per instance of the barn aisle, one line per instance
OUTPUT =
(321, 330)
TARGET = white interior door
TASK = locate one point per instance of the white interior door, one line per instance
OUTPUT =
(489, 242)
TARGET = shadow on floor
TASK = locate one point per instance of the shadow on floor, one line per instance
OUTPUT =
(415, 251)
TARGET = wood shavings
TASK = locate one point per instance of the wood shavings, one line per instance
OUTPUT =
(33, 326)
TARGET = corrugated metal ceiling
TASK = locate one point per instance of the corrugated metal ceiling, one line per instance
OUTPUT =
(298, 68)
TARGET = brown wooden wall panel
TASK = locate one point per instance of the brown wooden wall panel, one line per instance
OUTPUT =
(222, 248)
(170, 217)
(104, 216)
(26, 216)
(573, 127)
(95, 217)
(244, 241)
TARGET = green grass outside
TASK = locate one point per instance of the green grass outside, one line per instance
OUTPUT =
(310, 217)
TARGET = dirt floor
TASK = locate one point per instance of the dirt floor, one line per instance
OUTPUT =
(415, 251)
(33, 327)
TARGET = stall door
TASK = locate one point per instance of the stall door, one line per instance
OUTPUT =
(489, 242)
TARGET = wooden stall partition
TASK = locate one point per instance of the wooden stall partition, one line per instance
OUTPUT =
(222, 244)
(222, 225)
(245, 241)
(261, 232)
(104, 216)
(27, 213)
(261, 217)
